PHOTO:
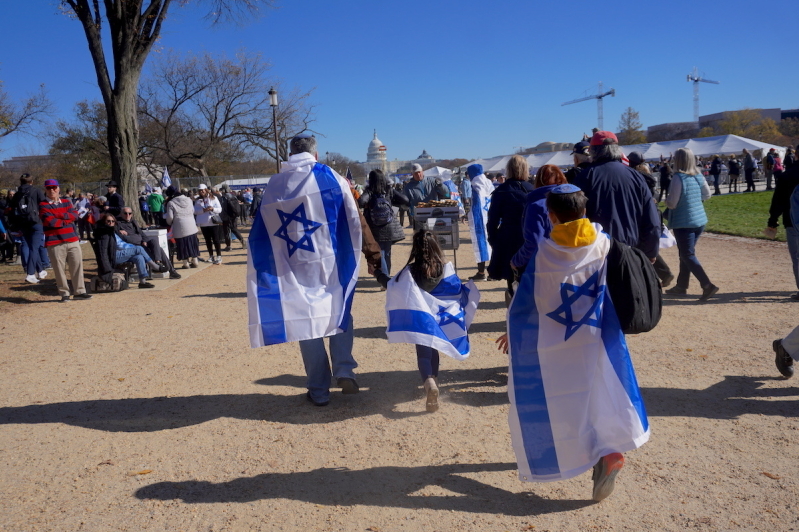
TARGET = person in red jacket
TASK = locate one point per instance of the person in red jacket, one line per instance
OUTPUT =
(61, 240)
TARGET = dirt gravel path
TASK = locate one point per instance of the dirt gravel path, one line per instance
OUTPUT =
(148, 410)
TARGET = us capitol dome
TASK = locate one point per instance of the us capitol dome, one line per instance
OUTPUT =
(377, 158)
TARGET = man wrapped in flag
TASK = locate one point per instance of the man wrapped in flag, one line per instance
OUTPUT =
(302, 268)
(427, 305)
(574, 397)
(482, 188)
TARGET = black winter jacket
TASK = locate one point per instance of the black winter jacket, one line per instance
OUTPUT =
(505, 229)
(105, 247)
(391, 232)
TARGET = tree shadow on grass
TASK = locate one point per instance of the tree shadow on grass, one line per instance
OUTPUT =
(388, 486)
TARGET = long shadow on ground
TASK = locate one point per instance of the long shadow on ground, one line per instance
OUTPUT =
(385, 391)
(345, 487)
(729, 297)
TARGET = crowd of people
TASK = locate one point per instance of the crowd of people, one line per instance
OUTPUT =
(547, 235)
(43, 229)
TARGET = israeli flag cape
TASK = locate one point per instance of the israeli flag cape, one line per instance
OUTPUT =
(439, 319)
(304, 255)
(166, 182)
(481, 199)
(573, 392)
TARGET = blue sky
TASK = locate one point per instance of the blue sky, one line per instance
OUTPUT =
(458, 78)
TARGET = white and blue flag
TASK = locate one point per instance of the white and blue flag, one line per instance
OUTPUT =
(455, 194)
(165, 179)
(481, 201)
(439, 319)
(304, 255)
(148, 189)
(574, 396)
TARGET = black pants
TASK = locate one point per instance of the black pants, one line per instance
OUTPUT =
(661, 268)
(231, 226)
(156, 252)
(750, 179)
(213, 238)
(733, 183)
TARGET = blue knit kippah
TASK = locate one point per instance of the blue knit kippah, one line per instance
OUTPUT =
(568, 188)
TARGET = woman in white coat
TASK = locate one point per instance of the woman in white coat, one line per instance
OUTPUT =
(205, 207)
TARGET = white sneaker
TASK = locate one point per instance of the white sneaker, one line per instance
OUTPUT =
(219, 259)
(431, 394)
(32, 279)
(42, 274)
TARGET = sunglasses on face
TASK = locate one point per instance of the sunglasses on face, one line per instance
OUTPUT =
(127, 213)
(51, 188)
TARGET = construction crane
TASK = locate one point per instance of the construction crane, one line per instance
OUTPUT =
(696, 78)
(599, 108)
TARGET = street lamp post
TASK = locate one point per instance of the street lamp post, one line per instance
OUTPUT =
(273, 105)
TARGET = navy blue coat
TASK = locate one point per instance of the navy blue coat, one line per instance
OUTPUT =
(536, 225)
(504, 227)
(620, 201)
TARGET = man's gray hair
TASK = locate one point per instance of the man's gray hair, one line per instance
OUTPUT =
(303, 144)
(606, 152)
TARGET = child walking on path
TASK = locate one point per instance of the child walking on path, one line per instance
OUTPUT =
(574, 397)
(427, 305)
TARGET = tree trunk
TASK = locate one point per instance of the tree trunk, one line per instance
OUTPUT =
(123, 137)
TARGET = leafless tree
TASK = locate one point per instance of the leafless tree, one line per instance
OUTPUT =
(20, 117)
(202, 108)
(133, 26)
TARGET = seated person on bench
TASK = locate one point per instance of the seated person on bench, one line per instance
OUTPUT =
(112, 251)
(129, 231)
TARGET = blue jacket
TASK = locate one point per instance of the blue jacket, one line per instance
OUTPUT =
(685, 198)
(620, 201)
(466, 188)
(536, 225)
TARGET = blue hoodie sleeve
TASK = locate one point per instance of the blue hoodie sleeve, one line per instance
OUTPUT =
(536, 227)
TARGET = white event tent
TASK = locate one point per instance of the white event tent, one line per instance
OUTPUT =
(702, 147)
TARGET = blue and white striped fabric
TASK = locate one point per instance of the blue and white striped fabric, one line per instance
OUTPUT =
(573, 392)
(481, 199)
(304, 255)
(455, 194)
(148, 189)
(166, 182)
(439, 319)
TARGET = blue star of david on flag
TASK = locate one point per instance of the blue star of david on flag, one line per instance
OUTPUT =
(308, 227)
(569, 294)
(487, 204)
(446, 317)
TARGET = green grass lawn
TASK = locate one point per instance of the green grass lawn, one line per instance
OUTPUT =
(740, 214)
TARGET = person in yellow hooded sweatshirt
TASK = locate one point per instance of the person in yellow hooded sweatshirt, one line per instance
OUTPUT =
(574, 398)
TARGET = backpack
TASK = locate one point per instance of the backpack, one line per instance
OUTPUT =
(117, 284)
(778, 165)
(634, 288)
(25, 212)
(380, 210)
(230, 206)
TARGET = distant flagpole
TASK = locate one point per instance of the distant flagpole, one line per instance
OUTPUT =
(165, 180)
(349, 175)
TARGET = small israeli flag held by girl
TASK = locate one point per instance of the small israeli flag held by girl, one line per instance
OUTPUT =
(304, 255)
(574, 397)
(166, 181)
(439, 319)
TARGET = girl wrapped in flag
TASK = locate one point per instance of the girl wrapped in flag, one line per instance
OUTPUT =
(574, 397)
(427, 305)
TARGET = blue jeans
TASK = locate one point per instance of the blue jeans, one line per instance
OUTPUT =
(427, 359)
(385, 257)
(32, 251)
(792, 235)
(317, 366)
(136, 255)
(689, 264)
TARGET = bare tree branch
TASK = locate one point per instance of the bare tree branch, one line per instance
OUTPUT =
(20, 118)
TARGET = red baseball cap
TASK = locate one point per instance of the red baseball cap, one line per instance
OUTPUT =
(600, 137)
(50, 182)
